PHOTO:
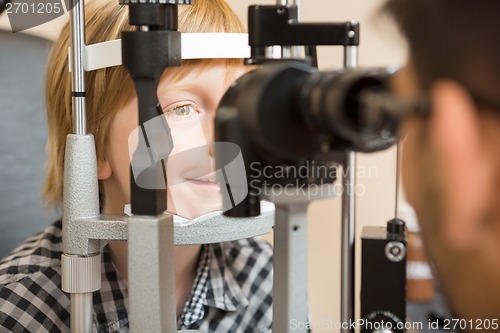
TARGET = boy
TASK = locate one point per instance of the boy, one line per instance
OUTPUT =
(219, 287)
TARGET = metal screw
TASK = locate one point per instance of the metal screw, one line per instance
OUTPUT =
(395, 251)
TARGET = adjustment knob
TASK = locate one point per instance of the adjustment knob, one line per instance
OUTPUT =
(396, 227)
(382, 322)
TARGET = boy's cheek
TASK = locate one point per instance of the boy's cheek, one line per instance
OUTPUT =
(187, 135)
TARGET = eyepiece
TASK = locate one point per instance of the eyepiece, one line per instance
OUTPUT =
(334, 103)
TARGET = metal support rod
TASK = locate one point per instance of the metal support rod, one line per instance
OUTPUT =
(81, 302)
(151, 274)
(80, 266)
(399, 147)
(81, 317)
(351, 56)
(351, 51)
(290, 257)
(347, 299)
(290, 267)
(348, 236)
(77, 25)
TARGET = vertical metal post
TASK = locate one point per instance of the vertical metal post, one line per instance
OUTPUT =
(151, 274)
(351, 52)
(348, 236)
(290, 268)
(351, 57)
(81, 259)
(81, 303)
(347, 306)
(77, 25)
(80, 320)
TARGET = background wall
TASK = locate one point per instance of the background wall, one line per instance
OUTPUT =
(379, 47)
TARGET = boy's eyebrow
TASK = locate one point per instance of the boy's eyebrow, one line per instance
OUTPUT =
(176, 86)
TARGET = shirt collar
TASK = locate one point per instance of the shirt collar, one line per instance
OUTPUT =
(215, 286)
(111, 301)
(223, 290)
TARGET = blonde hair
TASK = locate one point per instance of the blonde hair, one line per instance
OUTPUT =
(109, 89)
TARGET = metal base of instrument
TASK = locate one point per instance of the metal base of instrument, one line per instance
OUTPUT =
(290, 258)
(151, 270)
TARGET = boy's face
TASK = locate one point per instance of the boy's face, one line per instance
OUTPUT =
(189, 106)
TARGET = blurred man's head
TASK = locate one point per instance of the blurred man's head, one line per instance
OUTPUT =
(452, 157)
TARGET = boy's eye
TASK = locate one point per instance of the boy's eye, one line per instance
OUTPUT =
(182, 111)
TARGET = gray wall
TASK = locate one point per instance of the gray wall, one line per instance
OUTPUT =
(23, 135)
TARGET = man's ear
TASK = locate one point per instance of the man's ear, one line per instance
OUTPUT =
(104, 169)
(455, 133)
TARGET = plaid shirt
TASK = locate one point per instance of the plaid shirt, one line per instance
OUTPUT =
(232, 290)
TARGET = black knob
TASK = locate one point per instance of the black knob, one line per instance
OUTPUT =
(396, 227)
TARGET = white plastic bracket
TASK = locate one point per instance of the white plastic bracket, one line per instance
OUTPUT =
(193, 46)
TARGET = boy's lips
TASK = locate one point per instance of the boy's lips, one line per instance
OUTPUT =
(206, 182)
(205, 179)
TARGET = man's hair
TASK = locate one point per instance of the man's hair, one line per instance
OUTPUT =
(109, 89)
(455, 39)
